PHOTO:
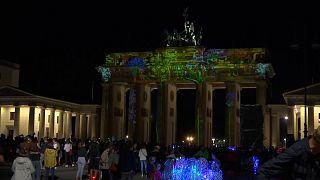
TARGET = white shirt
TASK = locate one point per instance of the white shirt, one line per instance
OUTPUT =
(143, 154)
(67, 147)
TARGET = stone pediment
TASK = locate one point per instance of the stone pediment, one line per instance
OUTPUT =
(311, 90)
(297, 97)
(9, 91)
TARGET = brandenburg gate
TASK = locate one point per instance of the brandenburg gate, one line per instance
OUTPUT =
(168, 70)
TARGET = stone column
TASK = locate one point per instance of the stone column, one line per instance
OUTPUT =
(118, 110)
(266, 130)
(310, 120)
(69, 124)
(233, 120)
(31, 120)
(51, 123)
(170, 111)
(291, 122)
(207, 103)
(143, 107)
(261, 98)
(105, 123)
(0, 119)
(65, 124)
(77, 125)
(60, 125)
(83, 133)
(275, 129)
(89, 126)
(93, 125)
(42, 122)
(16, 121)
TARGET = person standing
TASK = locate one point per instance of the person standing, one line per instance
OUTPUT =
(104, 165)
(126, 160)
(56, 146)
(82, 159)
(68, 152)
(300, 161)
(35, 158)
(143, 160)
(43, 146)
(22, 167)
(50, 160)
(94, 156)
(114, 163)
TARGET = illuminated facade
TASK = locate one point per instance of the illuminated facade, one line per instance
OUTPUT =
(168, 70)
(25, 113)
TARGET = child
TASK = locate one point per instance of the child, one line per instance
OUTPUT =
(156, 173)
(22, 166)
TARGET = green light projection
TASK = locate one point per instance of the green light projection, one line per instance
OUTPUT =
(196, 64)
(189, 63)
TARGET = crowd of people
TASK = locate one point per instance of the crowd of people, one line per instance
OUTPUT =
(36, 159)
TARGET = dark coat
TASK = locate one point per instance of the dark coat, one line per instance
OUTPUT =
(126, 159)
(297, 162)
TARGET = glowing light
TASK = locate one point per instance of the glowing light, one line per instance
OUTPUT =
(127, 136)
(286, 118)
(132, 106)
(262, 69)
(189, 169)
(230, 99)
(232, 148)
(255, 161)
(136, 65)
(105, 72)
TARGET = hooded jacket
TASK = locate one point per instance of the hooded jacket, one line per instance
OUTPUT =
(22, 169)
(50, 160)
(297, 162)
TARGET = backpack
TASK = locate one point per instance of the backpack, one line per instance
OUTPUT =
(94, 150)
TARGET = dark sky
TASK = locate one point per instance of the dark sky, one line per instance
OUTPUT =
(59, 44)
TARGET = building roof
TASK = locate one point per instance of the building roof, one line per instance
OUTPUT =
(9, 64)
(10, 91)
(13, 96)
(313, 89)
(297, 97)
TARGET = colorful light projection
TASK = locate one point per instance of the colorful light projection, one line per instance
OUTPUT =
(232, 148)
(255, 160)
(136, 65)
(230, 97)
(197, 64)
(262, 69)
(105, 72)
(132, 106)
(190, 169)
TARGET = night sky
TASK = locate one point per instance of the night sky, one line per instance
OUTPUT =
(59, 44)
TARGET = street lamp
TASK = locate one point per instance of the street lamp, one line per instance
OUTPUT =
(213, 141)
(190, 139)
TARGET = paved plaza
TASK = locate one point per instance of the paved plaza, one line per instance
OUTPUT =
(62, 173)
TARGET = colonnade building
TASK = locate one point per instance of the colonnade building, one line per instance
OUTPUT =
(23, 113)
(300, 113)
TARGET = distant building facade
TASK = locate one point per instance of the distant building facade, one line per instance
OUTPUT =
(25, 113)
(288, 120)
